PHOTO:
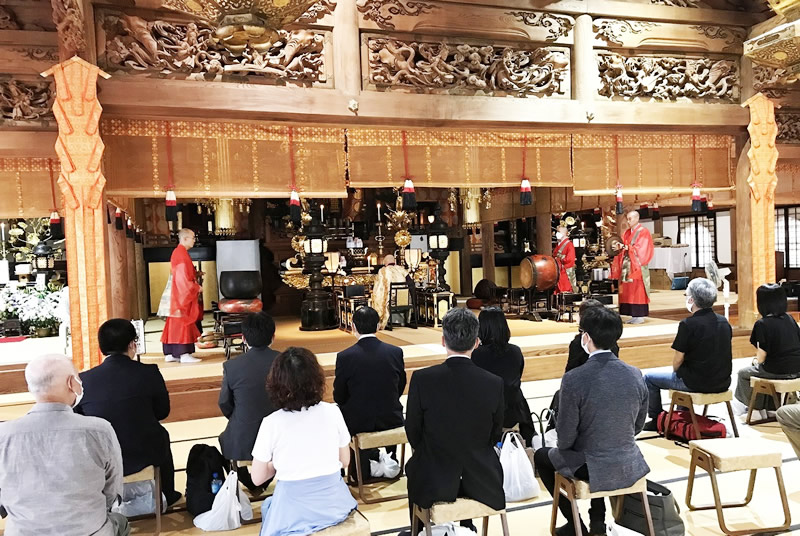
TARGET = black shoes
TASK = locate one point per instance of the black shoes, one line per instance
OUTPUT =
(651, 426)
(172, 497)
(597, 528)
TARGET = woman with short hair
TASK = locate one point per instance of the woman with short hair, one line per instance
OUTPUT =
(304, 445)
(776, 337)
(498, 356)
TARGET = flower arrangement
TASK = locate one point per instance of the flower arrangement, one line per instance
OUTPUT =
(36, 309)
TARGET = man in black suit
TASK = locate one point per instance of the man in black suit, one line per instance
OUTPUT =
(133, 397)
(243, 398)
(370, 378)
(454, 418)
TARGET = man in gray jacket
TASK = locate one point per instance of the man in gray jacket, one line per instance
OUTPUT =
(77, 458)
(603, 405)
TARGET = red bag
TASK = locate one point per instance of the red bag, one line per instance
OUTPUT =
(681, 427)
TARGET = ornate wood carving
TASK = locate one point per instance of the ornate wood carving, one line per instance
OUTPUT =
(611, 30)
(765, 80)
(676, 3)
(667, 78)
(38, 53)
(25, 101)
(8, 21)
(733, 37)
(432, 66)
(317, 11)
(381, 12)
(556, 25)
(135, 44)
(68, 18)
(81, 181)
(788, 126)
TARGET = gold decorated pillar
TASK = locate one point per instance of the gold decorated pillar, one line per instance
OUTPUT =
(80, 150)
(756, 182)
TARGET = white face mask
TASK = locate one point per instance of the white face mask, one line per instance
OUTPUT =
(689, 304)
(78, 397)
(559, 236)
(585, 345)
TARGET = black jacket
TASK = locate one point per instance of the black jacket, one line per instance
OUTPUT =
(133, 397)
(244, 401)
(370, 378)
(454, 418)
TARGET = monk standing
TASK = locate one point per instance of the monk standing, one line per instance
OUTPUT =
(390, 273)
(180, 330)
(565, 253)
(630, 268)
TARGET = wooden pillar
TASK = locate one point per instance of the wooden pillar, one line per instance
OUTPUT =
(118, 306)
(487, 243)
(544, 215)
(584, 64)
(80, 151)
(465, 267)
(347, 52)
(755, 201)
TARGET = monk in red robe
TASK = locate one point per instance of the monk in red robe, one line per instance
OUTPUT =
(565, 253)
(630, 268)
(180, 331)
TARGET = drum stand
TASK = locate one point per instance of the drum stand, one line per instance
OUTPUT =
(537, 305)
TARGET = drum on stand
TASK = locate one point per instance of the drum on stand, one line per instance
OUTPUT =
(539, 272)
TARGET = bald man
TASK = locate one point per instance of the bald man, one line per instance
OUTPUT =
(180, 330)
(76, 459)
(630, 269)
(565, 253)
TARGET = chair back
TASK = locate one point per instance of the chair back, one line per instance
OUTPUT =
(352, 291)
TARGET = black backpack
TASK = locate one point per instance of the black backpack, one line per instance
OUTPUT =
(203, 462)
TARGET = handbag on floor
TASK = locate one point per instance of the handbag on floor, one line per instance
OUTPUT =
(663, 509)
(681, 427)
(203, 462)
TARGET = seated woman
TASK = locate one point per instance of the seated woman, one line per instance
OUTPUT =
(496, 355)
(776, 337)
(304, 445)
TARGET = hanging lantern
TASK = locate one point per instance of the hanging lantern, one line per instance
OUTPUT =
(118, 219)
(644, 210)
(172, 206)
(129, 229)
(56, 227)
(408, 195)
(619, 209)
(525, 196)
(656, 212)
(294, 207)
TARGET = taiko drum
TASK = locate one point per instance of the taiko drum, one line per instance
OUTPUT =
(539, 272)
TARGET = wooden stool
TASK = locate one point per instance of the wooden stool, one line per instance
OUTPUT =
(771, 388)
(688, 399)
(736, 454)
(460, 510)
(578, 489)
(374, 440)
(149, 473)
(355, 525)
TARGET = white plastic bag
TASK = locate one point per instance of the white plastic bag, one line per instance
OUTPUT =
(612, 529)
(519, 482)
(447, 529)
(225, 512)
(385, 467)
(137, 500)
(550, 440)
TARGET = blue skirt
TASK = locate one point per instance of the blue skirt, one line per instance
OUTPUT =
(300, 507)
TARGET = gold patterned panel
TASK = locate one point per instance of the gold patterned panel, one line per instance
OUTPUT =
(28, 191)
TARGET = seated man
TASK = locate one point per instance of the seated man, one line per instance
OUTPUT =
(59, 472)
(454, 417)
(703, 360)
(602, 408)
(789, 419)
(390, 273)
(370, 378)
(133, 397)
(243, 397)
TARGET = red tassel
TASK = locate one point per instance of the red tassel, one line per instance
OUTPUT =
(294, 207)
(525, 196)
(644, 210)
(409, 196)
(172, 206)
(656, 212)
(620, 208)
(710, 204)
(696, 199)
(118, 219)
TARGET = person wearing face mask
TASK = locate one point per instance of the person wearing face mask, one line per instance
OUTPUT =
(78, 456)
(180, 329)
(133, 397)
(630, 269)
(565, 253)
(703, 360)
(603, 405)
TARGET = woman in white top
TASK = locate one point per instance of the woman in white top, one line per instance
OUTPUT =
(304, 445)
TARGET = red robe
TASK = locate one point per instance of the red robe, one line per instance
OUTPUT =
(633, 295)
(565, 253)
(184, 310)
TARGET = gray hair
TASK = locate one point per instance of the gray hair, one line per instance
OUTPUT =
(185, 233)
(703, 292)
(460, 329)
(46, 371)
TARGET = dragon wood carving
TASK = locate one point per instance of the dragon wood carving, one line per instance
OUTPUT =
(788, 126)
(68, 18)
(556, 25)
(381, 12)
(7, 19)
(611, 30)
(486, 68)
(135, 44)
(676, 3)
(26, 101)
(667, 78)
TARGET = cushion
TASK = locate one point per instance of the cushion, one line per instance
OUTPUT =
(781, 386)
(205, 345)
(702, 399)
(240, 306)
(148, 473)
(476, 303)
(582, 490)
(460, 510)
(355, 525)
(385, 438)
(740, 453)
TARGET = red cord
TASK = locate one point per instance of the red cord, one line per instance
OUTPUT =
(291, 158)
(524, 154)
(52, 184)
(170, 163)
(616, 158)
(695, 184)
(405, 154)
